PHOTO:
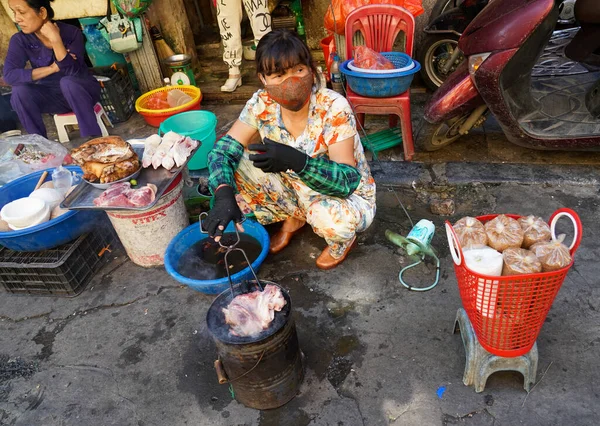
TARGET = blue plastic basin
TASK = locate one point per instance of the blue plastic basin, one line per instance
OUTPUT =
(191, 235)
(53, 233)
(379, 85)
(198, 125)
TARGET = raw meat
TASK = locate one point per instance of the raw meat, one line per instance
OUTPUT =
(251, 313)
(122, 195)
(150, 147)
(182, 150)
(158, 159)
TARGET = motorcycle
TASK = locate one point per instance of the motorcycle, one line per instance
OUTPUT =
(501, 46)
(440, 57)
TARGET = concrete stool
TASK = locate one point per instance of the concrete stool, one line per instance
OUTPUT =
(481, 364)
(69, 119)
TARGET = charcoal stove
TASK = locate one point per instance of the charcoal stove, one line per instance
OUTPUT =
(264, 371)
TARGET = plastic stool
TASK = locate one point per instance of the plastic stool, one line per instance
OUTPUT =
(481, 364)
(69, 119)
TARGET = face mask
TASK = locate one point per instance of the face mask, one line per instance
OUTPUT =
(292, 93)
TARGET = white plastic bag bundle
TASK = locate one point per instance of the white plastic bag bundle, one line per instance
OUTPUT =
(485, 261)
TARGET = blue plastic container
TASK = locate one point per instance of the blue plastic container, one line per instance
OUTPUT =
(379, 85)
(191, 235)
(198, 125)
(53, 233)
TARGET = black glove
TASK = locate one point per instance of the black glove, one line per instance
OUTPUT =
(276, 157)
(224, 211)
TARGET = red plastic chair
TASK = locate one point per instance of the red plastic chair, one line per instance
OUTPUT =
(379, 25)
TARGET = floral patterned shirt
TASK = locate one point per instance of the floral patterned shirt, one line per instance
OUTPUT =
(330, 120)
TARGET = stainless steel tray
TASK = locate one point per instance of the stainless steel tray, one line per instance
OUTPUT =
(83, 196)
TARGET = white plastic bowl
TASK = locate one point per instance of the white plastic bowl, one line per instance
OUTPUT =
(23, 212)
(51, 196)
(44, 217)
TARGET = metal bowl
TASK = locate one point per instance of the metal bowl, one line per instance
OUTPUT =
(178, 60)
(107, 185)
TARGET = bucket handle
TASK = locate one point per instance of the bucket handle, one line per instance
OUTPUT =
(231, 248)
(222, 375)
(577, 227)
(453, 244)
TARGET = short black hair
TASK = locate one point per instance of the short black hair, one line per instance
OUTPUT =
(38, 4)
(280, 50)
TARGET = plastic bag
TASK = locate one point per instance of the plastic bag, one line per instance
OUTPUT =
(29, 153)
(518, 261)
(470, 232)
(535, 231)
(338, 11)
(504, 232)
(553, 255)
(369, 59)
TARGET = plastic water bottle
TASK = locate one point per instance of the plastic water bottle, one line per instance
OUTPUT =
(336, 76)
(62, 180)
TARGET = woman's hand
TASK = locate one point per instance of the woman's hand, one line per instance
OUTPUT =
(276, 157)
(224, 211)
(51, 32)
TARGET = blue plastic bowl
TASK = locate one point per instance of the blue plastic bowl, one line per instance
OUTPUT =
(191, 235)
(198, 125)
(53, 233)
(379, 85)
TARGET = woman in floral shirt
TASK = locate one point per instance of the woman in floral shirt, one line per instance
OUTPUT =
(310, 166)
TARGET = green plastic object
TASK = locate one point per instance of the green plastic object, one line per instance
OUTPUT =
(198, 125)
(382, 140)
(132, 8)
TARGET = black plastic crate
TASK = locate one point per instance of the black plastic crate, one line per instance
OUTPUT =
(117, 95)
(63, 271)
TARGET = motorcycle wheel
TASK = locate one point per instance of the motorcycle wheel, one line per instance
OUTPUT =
(435, 51)
(442, 134)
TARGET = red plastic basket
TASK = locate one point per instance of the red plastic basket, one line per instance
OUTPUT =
(508, 312)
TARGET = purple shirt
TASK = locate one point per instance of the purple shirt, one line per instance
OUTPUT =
(25, 48)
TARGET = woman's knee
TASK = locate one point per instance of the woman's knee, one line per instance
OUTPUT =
(70, 84)
(22, 94)
(333, 217)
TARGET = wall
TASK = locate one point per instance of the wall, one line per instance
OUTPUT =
(315, 10)
(7, 29)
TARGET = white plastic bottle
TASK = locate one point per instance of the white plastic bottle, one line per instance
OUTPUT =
(336, 76)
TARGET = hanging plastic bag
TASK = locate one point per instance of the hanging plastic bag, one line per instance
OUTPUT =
(338, 11)
(132, 8)
(124, 34)
(369, 59)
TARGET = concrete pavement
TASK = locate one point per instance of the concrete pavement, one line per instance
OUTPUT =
(134, 349)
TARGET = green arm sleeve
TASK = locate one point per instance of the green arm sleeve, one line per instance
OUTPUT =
(330, 178)
(223, 161)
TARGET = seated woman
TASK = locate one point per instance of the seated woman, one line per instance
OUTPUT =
(310, 166)
(58, 81)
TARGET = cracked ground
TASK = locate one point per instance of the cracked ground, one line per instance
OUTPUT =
(134, 349)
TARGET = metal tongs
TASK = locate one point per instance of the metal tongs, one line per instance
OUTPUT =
(231, 248)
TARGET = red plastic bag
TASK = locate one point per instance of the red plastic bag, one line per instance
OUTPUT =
(339, 9)
(369, 59)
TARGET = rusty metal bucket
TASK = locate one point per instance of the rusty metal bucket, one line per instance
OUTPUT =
(264, 371)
